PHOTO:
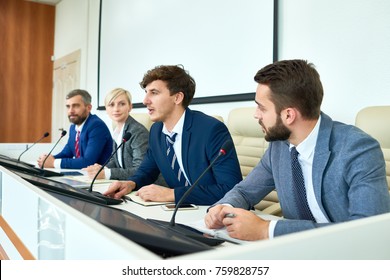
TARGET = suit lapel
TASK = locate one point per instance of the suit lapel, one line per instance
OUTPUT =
(185, 144)
(125, 129)
(321, 158)
(83, 134)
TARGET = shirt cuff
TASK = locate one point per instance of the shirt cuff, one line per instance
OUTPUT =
(57, 163)
(107, 173)
(271, 229)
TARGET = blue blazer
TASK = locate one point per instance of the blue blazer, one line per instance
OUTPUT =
(95, 145)
(202, 139)
(349, 178)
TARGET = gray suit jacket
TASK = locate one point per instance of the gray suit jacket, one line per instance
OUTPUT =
(133, 152)
(349, 178)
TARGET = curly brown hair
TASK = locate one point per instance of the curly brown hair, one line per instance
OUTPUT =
(176, 78)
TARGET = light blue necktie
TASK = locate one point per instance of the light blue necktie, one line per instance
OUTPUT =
(173, 160)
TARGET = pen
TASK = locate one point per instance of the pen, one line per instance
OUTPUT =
(230, 215)
(125, 199)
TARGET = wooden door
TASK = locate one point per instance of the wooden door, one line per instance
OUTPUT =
(66, 77)
(26, 68)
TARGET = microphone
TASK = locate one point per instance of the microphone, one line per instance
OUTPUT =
(125, 138)
(226, 147)
(28, 148)
(63, 133)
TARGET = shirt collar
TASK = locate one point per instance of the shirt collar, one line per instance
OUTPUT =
(178, 127)
(307, 146)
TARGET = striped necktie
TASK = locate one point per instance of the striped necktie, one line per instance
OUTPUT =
(173, 160)
(299, 187)
(77, 144)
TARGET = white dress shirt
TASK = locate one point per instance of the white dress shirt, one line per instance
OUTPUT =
(57, 161)
(177, 146)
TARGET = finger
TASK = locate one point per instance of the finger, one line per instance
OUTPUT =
(207, 221)
(144, 196)
(227, 211)
(120, 193)
(142, 193)
(111, 189)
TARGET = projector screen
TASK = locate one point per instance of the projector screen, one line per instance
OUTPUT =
(221, 43)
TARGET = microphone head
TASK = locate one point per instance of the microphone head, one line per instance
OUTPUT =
(63, 133)
(46, 134)
(226, 147)
(126, 137)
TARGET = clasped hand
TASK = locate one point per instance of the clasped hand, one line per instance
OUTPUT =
(49, 162)
(92, 170)
(239, 223)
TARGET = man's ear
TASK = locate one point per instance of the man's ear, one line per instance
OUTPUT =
(289, 115)
(179, 97)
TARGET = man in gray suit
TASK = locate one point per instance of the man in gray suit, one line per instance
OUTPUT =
(342, 168)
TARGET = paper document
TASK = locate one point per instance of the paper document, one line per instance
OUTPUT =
(86, 179)
(80, 181)
(218, 233)
(222, 232)
(135, 198)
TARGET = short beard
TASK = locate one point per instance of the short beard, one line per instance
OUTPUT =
(279, 132)
(78, 120)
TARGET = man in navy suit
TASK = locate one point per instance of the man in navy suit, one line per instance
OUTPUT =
(198, 140)
(94, 137)
(342, 168)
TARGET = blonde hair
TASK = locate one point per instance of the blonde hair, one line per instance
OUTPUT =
(113, 94)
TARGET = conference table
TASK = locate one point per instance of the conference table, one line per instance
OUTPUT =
(35, 224)
(55, 202)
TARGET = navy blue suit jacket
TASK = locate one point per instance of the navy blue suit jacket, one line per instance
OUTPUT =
(202, 139)
(95, 145)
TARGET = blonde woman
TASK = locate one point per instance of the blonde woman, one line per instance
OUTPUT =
(130, 155)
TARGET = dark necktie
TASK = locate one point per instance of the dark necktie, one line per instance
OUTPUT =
(77, 144)
(173, 160)
(299, 187)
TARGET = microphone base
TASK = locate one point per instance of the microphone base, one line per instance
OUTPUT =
(108, 200)
(189, 232)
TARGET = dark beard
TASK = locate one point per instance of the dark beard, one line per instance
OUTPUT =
(279, 132)
(78, 120)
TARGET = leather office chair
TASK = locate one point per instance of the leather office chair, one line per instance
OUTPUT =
(375, 120)
(250, 145)
(218, 117)
(142, 118)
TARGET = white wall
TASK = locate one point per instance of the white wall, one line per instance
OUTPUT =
(76, 27)
(347, 40)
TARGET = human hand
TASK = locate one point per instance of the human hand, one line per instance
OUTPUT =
(92, 170)
(49, 162)
(118, 189)
(243, 224)
(214, 216)
(156, 193)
